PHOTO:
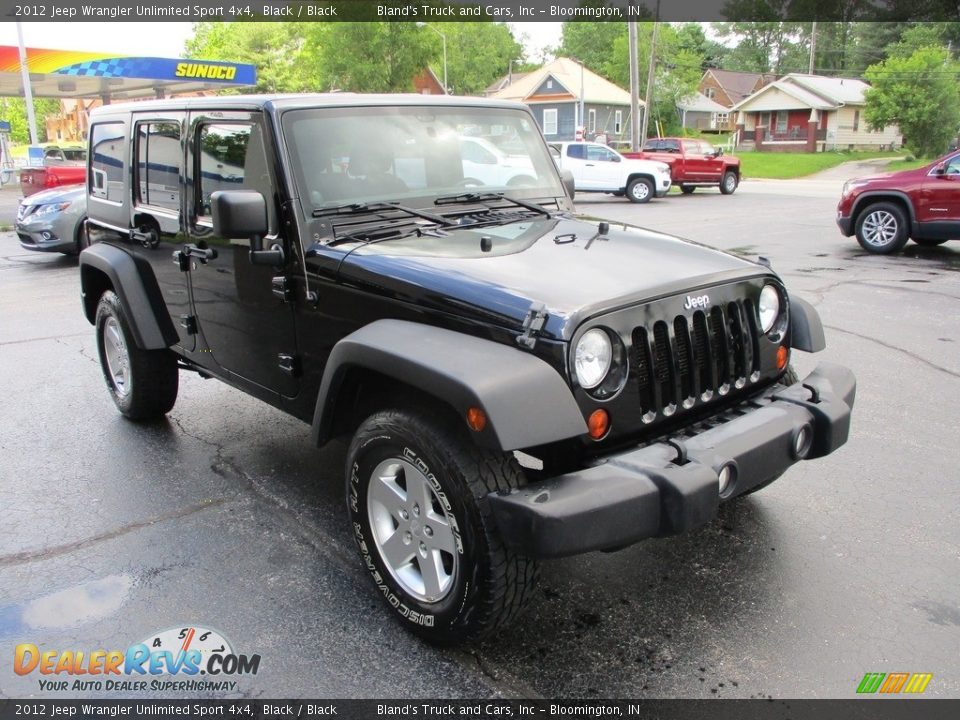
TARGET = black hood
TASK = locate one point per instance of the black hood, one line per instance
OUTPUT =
(559, 262)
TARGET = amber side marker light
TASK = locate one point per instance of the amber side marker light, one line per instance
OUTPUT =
(781, 357)
(476, 419)
(598, 423)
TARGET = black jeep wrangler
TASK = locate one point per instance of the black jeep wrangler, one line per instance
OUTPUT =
(408, 271)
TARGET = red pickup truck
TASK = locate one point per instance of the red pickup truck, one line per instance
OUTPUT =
(61, 166)
(693, 163)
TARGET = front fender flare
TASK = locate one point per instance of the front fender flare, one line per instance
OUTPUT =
(527, 402)
(138, 291)
(806, 330)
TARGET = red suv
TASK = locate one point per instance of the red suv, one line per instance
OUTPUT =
(885, 210)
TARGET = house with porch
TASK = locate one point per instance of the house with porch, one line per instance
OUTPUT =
(810, 113)
(698, 112)
(554, 91)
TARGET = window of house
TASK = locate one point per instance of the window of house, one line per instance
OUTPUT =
(710, 92)
(856, 120)
(550, 121)
(618, 121)
(721, 119)
(158, 164)
(782, 118)
(550, 84)
(764, 120)
(592, 120)
(107, 142)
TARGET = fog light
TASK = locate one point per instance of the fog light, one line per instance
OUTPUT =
(802, 442)
(725, 478)
(45, 235)
(598, 423)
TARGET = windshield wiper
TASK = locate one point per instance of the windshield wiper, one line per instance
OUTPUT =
(488, 197)
(361, 207)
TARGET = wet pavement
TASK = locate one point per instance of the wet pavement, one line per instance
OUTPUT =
(222, 517)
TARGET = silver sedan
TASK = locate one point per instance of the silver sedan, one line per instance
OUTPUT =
(53, 220)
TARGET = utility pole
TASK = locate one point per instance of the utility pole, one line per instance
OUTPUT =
(634, 87)
(813, 45)
(27, 90)
(651, 69)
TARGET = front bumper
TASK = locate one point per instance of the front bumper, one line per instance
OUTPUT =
(672, 486)
(43, 236)
(663, 187)
(845, 223)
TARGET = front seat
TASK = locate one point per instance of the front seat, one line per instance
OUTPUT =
(370, 167)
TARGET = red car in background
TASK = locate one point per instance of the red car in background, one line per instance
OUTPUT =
(693, 163)
(61, 166)
(884, 211)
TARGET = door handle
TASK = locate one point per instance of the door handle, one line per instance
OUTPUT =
(589, 164)
(201, 254)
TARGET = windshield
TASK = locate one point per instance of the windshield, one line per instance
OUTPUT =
(415, 154)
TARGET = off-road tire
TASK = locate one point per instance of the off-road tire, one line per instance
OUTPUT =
(640, 190)
(729, 183)
(490, 583)
(882, 228)
(150, 381)
(790, 377)
(687, 189)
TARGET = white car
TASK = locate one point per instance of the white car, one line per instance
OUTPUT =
(597, 168)
(486, 164)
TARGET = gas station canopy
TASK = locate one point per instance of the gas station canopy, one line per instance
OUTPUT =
(73, 74)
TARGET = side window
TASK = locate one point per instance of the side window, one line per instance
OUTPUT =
(653, 146)
(599, 154)
(576, 151)
(671, 146)
(953, 166)
(158, 164)
(107, 142)
(691, 147)
(232, 156)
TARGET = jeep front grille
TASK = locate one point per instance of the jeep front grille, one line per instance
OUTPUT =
(693, 360)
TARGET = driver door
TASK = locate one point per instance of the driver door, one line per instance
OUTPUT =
(245, 330)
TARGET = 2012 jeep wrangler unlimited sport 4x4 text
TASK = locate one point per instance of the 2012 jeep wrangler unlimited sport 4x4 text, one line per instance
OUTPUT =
(518, 383)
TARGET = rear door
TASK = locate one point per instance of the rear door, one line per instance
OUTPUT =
(156, 209)
(245, 329)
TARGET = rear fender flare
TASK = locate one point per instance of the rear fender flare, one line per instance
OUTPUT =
(137, 289)
(526, 401)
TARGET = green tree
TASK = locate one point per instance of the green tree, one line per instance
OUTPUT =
(593, 45)
(14, 110)
(920, 93)
(477, 54)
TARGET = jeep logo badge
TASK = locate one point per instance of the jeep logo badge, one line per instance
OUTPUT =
(692, 303)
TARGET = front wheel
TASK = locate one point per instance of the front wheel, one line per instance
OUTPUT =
(882, 228)
(142, 383)
(729, 182)
(416, 494)
(640, 190)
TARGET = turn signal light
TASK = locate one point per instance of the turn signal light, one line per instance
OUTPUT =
(598, 423)
(476, 419)
(781, 357)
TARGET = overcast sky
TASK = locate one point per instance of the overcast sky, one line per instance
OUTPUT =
(166, 39)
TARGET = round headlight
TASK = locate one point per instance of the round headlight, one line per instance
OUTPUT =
(769, 307)
(592, 358)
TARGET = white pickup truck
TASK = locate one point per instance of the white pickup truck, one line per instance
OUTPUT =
(597, 168)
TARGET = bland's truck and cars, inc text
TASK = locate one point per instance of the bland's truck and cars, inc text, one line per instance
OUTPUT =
(515, 382)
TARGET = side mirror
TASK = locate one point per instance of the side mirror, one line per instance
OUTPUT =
(243, 214)
(940, 169)
(616, 158)
(567, 177)
(719, 152)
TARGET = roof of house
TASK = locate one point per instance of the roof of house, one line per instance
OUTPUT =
(698, 102)
(815, 91)
(738, 85)
(567, 72)
(503, 82)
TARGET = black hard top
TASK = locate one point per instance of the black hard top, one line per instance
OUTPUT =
(288, 102)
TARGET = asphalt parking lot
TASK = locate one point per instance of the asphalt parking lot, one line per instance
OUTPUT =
(224, 517)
